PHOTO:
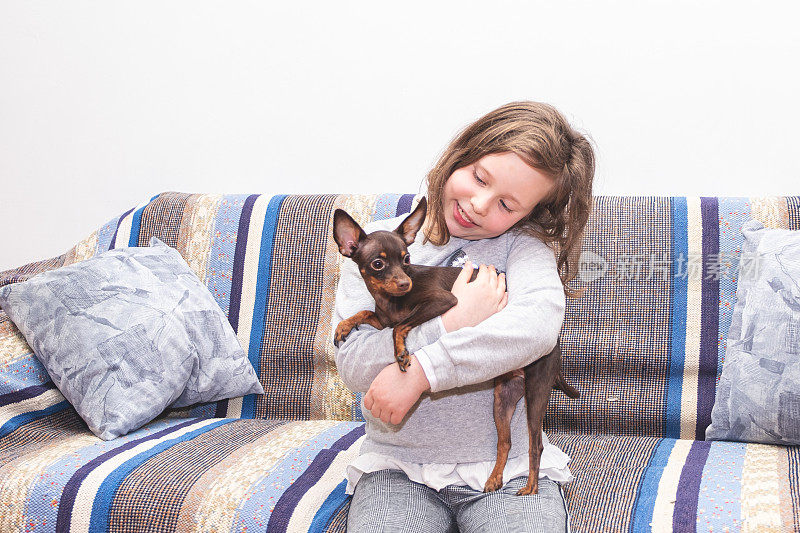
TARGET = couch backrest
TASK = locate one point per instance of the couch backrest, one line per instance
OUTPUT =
(645, 345)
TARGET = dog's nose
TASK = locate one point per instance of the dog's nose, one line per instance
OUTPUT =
(403, 284)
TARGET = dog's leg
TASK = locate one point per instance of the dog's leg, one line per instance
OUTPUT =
(508, 389)
(539, 378)
(344, 327)
(435, 305)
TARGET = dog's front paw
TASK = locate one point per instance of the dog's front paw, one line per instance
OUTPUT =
(403, 360)
(493, 483)
(531, 488)
(342, 331)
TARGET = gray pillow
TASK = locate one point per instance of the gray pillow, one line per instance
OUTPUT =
(127, 333)
(758, 397)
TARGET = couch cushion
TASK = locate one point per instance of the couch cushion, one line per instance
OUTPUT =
(661, 484)
(276, 475)
(199, 474)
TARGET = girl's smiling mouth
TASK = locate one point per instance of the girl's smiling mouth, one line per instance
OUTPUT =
(461, 216)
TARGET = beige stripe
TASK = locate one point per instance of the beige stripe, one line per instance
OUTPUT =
(664, 505)
(249, 282)
(337, 399)
(83, 250)
(787, 512)
(12, 343)
(82, 509)
(761, 486)
(308, 506)
(234, 409)
(196, 233)
(772, 211)
(216, 496)
(19, 475)
(37, 403)
(694, 291)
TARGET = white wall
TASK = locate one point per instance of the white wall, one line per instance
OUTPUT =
(104, 104)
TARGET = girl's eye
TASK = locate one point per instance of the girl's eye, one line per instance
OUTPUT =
(502, 203)
(377, 264)
(407, 259)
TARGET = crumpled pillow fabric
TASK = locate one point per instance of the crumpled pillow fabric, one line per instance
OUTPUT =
(128, 333)
(758, 396)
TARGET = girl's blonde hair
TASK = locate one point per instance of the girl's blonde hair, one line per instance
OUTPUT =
(543, 138)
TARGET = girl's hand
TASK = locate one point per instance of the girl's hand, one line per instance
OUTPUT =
(477, 300)
(393, 392)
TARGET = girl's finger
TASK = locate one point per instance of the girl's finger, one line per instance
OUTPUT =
(465, 274)
(492, 276)
(368, 400)
(503, 302)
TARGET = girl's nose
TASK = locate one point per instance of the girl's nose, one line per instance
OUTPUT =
(480, 203)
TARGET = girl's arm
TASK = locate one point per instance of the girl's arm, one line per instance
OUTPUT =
(367, 351)
(525, 330)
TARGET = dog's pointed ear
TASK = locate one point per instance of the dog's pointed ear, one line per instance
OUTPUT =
(346, 232)
(410, 226)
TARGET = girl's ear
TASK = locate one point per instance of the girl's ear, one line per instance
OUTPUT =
(347, 233)
(410, 226)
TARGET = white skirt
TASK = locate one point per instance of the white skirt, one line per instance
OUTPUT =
(552, 465)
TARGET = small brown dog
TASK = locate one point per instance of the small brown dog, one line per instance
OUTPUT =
(406, 295)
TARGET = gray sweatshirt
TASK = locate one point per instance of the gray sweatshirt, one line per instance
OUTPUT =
(454, 421)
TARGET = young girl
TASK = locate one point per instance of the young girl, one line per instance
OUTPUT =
(513, 183)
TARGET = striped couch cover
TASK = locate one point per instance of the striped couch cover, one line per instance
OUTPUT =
(645, 346)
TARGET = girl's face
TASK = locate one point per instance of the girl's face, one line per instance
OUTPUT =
(486, 198)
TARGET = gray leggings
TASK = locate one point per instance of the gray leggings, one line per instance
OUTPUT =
(388, 501)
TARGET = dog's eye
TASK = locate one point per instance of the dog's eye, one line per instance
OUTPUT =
(407, 259)
(377, 264)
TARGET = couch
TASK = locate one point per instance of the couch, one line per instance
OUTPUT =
(645, 346)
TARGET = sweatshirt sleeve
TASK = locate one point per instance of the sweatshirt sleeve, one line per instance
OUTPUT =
(367, 351)
(525, 330)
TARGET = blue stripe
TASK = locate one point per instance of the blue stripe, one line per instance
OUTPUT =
(733, 212)
(104, 235)
(238, 262)
(709, 316)
(113, 243)
(23, 372)
(20, 420)
(287, 504)
(25, 394)
(101, 508)
(262, 295)
(722, 482)
(137, 223)
(404, 204)
(684, 514)
(358, 416)
(335, 500)
(645, 500)
(219, 273)
(677, 337)
(386, 206)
